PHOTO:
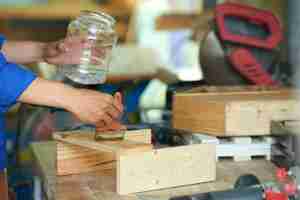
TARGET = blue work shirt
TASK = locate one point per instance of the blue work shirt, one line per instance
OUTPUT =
(13, 81)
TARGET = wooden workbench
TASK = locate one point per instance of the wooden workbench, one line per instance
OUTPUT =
(100, 185)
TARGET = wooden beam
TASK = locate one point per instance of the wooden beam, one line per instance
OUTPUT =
(176, 21)
(167, 167)
(134, 143)
(237, 111)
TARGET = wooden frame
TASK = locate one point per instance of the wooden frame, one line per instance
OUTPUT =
(143, 169)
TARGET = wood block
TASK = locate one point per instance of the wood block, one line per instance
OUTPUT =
(77, 152)
(131, 143)
(163, 168)
(234, 111)
(138, 169)
(72, 159)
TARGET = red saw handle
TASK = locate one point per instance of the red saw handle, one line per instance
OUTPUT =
(243, 61)
(254, 16)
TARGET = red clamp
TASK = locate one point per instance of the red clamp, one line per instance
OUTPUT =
(254, 16)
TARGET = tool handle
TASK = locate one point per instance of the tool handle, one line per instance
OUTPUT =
(254, 16)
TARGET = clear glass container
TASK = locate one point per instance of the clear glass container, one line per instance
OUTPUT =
(96, 29)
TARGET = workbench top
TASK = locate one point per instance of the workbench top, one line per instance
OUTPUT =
(100, 185)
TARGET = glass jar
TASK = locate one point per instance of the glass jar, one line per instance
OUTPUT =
(96, 29)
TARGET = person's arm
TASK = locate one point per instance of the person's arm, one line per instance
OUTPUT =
(89, 106)
(67, 51)
(24, 51)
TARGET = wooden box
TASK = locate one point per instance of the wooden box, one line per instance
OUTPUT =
(140, 168)
(234, 111)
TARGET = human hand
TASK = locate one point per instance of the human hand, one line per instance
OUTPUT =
(95, 107)
(115, 125)
(69, 51)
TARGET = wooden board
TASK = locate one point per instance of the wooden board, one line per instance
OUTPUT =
(101, 185)
(76, 159)
(165, 168)
(130, 143)
(240, 111)
(72, 159)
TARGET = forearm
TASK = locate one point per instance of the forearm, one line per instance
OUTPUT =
(23, 52)
(49, 93)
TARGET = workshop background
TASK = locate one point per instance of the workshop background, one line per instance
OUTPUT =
(158, 53)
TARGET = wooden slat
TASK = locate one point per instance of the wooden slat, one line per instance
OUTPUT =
(195, 115)
(176, 21)
(116, 147)
(234, 90)
(236, 111)
(75, 159)
(164, 168)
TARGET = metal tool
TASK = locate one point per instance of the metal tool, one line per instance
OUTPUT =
(242, 47)
(248, 187)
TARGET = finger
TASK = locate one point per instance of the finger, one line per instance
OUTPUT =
(118, 97)
(107, 119)
(62, 47)
(116, 125)
(114, 112)
(118, 102)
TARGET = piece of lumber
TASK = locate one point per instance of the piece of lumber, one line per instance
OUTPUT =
(164, 168)
(76, 159)
(73, 159)
(176, 21)
(240, 111)
(130, 143)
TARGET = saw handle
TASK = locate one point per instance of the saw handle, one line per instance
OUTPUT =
(254, 16)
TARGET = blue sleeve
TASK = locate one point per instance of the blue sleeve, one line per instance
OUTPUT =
(14, 80)
(2, 40)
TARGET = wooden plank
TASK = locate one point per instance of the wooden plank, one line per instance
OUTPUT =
(230, 90)
(195, 115)
(117, 147)
(238, 111)
(176, 21)
(255, 117)
(72, 159)
(163, 168)
(101, 185)
(142, 135)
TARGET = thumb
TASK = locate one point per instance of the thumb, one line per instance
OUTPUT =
(118, 97)
(118, 101)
